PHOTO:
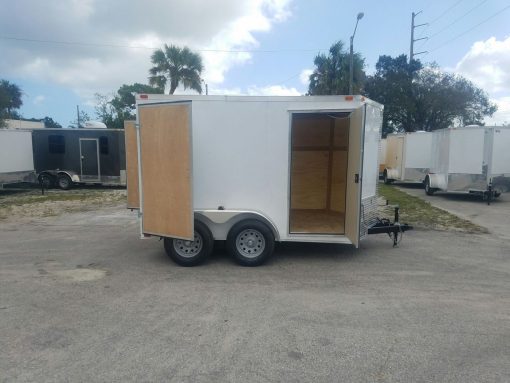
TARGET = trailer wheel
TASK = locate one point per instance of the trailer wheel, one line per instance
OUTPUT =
(191, 253)
(64, 182)
(45, 181)
(250, 242)
(387, 181)
(429, 190)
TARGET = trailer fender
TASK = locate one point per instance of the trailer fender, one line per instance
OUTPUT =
(74, 176)
(221, 221)
(437, 181)
(393, 174)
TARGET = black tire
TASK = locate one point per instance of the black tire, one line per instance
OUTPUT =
(387, 181)
(260, 238)
(64, 182)
(46, 181)
(428, 189)
(191, 253)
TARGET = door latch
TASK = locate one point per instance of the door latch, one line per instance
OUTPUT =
(356, 178)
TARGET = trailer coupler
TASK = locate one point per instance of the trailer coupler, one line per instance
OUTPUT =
(393, 229)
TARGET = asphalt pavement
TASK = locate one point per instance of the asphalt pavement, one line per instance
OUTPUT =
(83, 299)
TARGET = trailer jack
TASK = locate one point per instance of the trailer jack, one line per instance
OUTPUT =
(394, 230)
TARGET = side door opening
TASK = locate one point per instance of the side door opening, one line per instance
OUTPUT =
(320, 155)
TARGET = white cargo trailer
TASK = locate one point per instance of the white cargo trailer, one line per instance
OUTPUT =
(16, 157)
(252, 171)
(471, 159)
(408, 157)
(382, 157)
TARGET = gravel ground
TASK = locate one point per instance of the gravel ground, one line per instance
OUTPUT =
(83, 299)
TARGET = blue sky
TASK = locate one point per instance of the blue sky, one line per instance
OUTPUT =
(56, 77)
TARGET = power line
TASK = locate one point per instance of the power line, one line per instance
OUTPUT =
(470, 29)
(458, 19)
(105, 45)
(445, 12)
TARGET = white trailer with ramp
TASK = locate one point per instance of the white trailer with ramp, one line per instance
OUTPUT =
(471, 159)
(252, 171)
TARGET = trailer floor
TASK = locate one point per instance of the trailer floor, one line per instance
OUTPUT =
(83, 299)
(314, 221)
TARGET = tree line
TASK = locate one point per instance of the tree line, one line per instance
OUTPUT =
(415, 96)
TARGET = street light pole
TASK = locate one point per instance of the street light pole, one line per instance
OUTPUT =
(351, 64)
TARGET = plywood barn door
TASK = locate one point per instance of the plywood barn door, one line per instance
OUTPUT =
(352, 203)
(166, 165)
(133, 195)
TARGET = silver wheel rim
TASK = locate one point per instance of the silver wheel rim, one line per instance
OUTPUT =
(189, 249)
(250, 243)
(64, 182)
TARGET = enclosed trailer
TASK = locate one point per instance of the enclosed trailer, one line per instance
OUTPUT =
(252, 171)
(408, 157)
(16, 159)
(382, 157)
(63, 157)
(471, 159)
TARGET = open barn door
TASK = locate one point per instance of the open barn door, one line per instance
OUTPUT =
(354, 168)
(166, 169)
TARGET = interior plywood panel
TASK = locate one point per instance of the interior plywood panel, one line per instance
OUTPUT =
(341, 133)
(338, 181)
(309, 179)
(166, 170)
(316, 221)
(303, 136)
(133, 196)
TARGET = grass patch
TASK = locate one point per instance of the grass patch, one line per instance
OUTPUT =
(54, 202)
(421, 214)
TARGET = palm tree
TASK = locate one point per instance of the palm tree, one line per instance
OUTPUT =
(176, 66)
(331, 73)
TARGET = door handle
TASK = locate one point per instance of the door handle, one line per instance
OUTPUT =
(82, 158)
(356, 178)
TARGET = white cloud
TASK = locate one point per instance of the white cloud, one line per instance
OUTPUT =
(272, 90)
(487, 64)
(304, 77)
(39, 99)
(88, 68)
(502, 116)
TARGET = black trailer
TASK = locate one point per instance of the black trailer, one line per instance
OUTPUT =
(64, 157)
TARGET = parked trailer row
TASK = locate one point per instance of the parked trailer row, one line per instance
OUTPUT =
(471, 159)
(252, 171)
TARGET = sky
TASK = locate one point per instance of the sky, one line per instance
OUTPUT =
(62, 52)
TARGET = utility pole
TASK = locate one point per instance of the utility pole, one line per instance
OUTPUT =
(351, 53)
(413, 40)
(77, 116)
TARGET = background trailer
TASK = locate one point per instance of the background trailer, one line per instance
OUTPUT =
(252, 170)
(471, 159)
(16, 160)
(67, 156)
(408, 157)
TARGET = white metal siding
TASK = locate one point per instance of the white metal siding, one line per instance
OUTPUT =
(418, 150)
(466, 151)
(16, 151)
(501, 151)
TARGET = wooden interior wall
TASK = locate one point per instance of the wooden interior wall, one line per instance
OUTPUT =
(309, 179)
(166, 170)
(133, 196)
(339, 164)
(319, 163)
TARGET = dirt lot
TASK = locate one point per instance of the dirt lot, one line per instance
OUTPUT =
(83, 299)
